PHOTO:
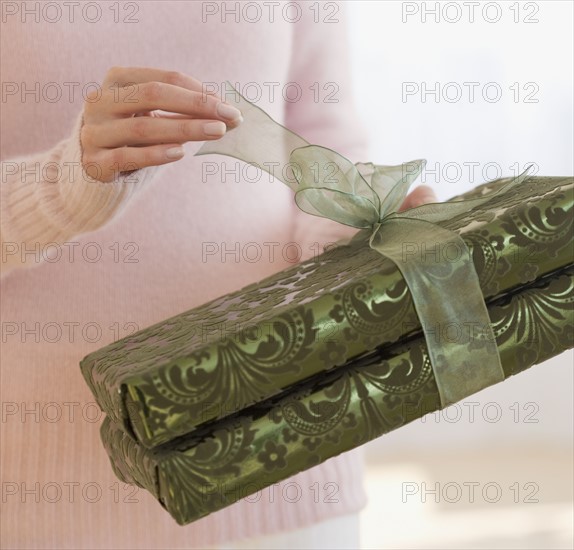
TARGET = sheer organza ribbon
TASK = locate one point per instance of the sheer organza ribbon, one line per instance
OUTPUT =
(435, 262)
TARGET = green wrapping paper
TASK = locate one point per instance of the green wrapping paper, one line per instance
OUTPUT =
(227, 460)
(235, 351)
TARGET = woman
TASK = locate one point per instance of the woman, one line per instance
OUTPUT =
(104, 225)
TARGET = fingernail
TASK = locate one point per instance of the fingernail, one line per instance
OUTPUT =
(228, 112)
(216, 128)
(174, 152)
(236, 122)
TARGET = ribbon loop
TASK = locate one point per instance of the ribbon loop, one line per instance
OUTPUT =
(330, 186)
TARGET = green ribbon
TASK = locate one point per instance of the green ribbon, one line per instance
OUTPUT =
(435, 262)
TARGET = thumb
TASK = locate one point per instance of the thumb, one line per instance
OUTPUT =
(423, 194)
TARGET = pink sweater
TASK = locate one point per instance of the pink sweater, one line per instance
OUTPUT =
(148, 246)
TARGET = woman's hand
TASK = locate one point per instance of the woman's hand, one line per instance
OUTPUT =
(121, 133)
(422, 194)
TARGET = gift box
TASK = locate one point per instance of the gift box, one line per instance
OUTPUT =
(230, 459)
(240, 349)
(418, 310)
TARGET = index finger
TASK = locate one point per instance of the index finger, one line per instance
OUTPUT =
(123, 76)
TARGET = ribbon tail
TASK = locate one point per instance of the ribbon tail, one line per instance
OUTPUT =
(436, 212)
(258, 140)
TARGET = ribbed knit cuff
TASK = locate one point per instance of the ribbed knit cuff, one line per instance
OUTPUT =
(82, 203)
(49, 198)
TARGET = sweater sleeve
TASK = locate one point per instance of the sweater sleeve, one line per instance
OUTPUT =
(48, 198)
(326, 115)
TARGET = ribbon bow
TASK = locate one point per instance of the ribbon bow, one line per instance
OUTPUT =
(444, 287)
